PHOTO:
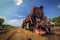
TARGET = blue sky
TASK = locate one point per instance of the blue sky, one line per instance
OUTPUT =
(14, 11)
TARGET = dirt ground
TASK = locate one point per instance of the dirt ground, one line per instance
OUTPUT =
(22, 34)
(56, 35)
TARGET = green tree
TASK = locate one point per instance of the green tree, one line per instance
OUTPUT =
(7, 26)
(1, 21)
(57, 20)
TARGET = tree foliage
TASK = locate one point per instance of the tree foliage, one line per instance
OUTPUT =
(1, 21)
(4, 25)
(57, 20)
(7, 26)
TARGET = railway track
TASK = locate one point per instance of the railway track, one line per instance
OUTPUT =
(56, 36)
(22, 34)
(3, 30)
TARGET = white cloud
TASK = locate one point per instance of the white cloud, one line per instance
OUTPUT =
(3, 17)
(15, 22)
(58, 6)
(19, 16)
(18, 2)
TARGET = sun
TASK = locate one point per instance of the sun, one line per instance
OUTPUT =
(18, 2)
